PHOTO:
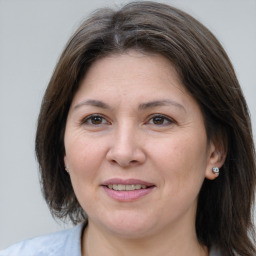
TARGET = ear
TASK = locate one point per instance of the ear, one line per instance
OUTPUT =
(216, 157)
(66, 164)
(65, 161)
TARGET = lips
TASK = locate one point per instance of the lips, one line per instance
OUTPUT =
(127, 190)
(127, 182)
(122, 187)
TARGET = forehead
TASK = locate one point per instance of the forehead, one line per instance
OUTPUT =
(128, 71)
(132, 59)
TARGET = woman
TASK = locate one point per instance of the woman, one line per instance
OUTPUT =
(144, 138)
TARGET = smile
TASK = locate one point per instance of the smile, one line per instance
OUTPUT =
(122, 187)
(127, 190)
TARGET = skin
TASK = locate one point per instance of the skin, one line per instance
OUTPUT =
(164, 143)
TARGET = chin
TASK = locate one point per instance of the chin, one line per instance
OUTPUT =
(132, 226)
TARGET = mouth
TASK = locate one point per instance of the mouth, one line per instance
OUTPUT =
(127, 190)
(122, 187)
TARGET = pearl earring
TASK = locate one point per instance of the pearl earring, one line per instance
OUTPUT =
(67, 169)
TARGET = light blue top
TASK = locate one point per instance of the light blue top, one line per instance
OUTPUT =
(63, 243)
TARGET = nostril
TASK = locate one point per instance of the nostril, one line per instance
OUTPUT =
(125, 156)
(124, 163)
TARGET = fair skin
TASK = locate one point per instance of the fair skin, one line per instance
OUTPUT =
(132, 123)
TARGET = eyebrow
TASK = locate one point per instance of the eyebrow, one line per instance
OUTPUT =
(95, 103)
(142, 106)
(160, 103)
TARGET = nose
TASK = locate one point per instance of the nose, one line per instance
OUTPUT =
(126, 148)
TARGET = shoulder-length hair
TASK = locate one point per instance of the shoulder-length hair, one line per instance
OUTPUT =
(224, 212)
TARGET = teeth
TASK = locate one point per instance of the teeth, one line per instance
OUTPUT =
(121, 187)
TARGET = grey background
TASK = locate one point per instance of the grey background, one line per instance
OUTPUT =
(32, 36)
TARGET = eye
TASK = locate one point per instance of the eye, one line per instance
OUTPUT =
(95, 120)
(160, 120)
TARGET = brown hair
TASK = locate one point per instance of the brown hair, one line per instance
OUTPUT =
(224, 213)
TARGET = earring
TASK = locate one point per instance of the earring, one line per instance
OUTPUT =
(67, 169)
(216, 171)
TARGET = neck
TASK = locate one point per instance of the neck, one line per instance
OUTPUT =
(174, 242)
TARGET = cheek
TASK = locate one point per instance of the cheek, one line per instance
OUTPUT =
(181, 161)
(81, 151)
(83, 157)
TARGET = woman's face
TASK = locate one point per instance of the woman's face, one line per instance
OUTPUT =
(136, 147)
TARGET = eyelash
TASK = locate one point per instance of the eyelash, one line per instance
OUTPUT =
(165, 120)
(88, 120)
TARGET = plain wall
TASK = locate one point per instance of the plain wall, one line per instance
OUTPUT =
(32, 36)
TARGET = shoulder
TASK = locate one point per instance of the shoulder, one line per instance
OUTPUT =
(63, 243)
